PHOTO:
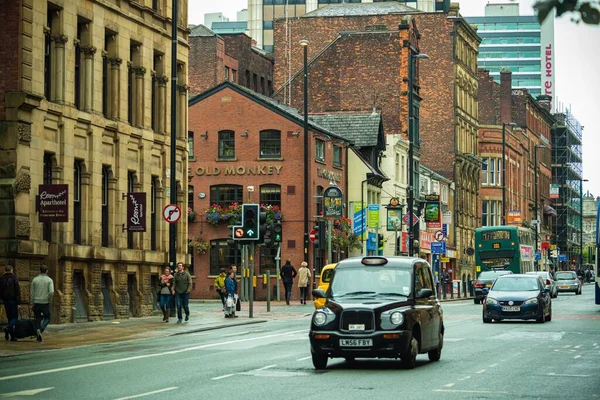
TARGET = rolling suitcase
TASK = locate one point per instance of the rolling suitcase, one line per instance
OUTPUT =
(25, 328)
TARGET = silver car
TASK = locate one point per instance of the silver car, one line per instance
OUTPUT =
(546, 277)
(567, 281)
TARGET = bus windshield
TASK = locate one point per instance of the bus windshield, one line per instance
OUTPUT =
(496, 235)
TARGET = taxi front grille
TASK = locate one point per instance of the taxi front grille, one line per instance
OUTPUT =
(357, 319)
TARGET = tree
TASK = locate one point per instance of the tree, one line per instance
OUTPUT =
(588, 11)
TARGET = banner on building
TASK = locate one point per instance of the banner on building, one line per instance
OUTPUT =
(136, 212)
(513, 217)
(53, 203)
(359, 222)
(394, 214)
(433, 217)
(332, 202)
(554, 191)
(373, 215)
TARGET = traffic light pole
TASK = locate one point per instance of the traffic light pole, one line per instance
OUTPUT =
(277, 269)
(329, 251)
(251, 291)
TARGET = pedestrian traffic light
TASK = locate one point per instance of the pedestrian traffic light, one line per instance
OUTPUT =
(277, 232)
(380, 241)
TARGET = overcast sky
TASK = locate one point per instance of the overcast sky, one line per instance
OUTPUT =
(577, 70)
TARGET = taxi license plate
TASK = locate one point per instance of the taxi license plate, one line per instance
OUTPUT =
(356, 342)
(513, 308)
(564, 287)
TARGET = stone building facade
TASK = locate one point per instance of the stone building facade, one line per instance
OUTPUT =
(84, 102)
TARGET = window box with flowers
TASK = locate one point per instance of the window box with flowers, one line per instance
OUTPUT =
(232, 214)
(191, 215)
(200, 245)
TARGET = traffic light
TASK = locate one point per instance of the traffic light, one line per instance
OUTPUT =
(320, 229)
(277, 232)
(267, 236)
(380, 241)
(249, 229)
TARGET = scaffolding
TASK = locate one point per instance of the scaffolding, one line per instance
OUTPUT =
(567, 174)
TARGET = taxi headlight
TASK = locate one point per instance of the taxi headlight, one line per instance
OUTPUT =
(532, 301)
(397, 318)
(320, 318)
(491, 300)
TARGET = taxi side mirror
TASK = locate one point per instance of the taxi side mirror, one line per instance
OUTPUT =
(319, 293)
(423, 293)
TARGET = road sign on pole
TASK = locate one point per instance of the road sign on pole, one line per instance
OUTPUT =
(312, 235)
(171, 213)
(406, 218)
(439, 236)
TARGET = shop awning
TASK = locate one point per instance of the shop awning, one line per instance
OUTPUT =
(549, 211)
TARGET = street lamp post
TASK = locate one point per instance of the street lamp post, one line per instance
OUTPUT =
(412, 55)
(504, 169)
(581, 222)
(536, 205)
(304, 44)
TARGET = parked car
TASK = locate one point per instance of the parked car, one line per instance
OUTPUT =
(326, 274)
(378, 307)
(568, 281)
(548, 281)
(518, 296)
(485, 280)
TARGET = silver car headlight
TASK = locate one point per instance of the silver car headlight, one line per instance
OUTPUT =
(397, 318)
(532, 301)
(491, 300)
(320, 318)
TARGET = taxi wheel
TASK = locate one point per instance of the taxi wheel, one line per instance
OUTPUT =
(486, 320)
(435, 355)
(542, 319)
(319, 360)
(409, 357)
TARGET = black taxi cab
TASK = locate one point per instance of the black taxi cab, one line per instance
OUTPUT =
(378, 307)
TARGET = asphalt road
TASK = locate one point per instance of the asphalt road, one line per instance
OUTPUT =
(508, 360)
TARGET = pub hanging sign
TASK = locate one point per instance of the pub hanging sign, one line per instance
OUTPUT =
(53, 203)
(136, 212)
(332, 202)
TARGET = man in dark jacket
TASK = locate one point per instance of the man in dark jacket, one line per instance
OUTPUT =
(10, 293)
(181, 289)
(288, 273)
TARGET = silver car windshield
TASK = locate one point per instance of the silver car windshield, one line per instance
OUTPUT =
(516, 285)
(370, 281)
(565, 276)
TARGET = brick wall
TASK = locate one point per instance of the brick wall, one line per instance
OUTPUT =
(488, 99)
(239, 47)
(204, 64)
(10, 48)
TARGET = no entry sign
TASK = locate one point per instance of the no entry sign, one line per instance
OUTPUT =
(171, 213)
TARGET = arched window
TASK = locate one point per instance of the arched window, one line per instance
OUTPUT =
(224, 195)
(270, 194)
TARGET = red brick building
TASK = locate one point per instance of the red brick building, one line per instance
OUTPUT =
(242, 139)
(215, 58)
(354, 65)
(498, 104)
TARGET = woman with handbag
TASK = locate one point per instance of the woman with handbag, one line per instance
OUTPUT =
(231, 288)
(165, 293)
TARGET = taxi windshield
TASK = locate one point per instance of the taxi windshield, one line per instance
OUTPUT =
(368, 281)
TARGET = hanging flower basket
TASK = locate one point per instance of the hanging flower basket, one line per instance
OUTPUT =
(200, 245)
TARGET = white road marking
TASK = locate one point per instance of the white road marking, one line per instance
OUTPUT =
(568, 375)
(577, 356)
(453, 339)
(595, 344)
(480, 371)
(263, 368)
(223, 377)
(467, 391)
(303, 358)
(30, 392)
(449, 385)
(493, 365)
(141, 357)
(464, 378)
(577, 347)
(135, 396)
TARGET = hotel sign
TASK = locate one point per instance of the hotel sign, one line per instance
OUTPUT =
(136, 212)
(240, 170)
(53, 203)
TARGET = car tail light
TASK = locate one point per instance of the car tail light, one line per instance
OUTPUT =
(548, 282)
(478, 284)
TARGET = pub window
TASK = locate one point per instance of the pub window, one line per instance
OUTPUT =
(77, 202)
(105, 205)
(191, 146)
(267, 259)
(47, 233)
(223, 256)
(337, 156)
(319, 200)
(224, 195)
(270, 194)
(270, 144)
(153, 214)
(319, 150)
(226, 144)
(130, 183)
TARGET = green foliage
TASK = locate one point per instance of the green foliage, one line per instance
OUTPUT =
(588, 11)
(342, 235)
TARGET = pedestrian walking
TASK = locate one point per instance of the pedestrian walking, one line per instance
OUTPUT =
(166, 291)
(303, 281)
(231, 288)
(41, 292)
(181, 290)
(219, 285)
(10, 293)
(288, 273)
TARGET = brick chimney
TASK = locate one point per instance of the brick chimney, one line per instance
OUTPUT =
(545, 101)
(505, 96)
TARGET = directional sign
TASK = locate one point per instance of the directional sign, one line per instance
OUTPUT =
(312, 235)
(406, 218)
(438, 248)
(171, 213)
(439, 236)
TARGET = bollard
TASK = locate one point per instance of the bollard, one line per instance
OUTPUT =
(268, 291)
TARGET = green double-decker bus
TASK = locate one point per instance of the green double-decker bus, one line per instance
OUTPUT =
(504, 247)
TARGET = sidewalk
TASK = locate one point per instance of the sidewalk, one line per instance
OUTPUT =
(204, 315)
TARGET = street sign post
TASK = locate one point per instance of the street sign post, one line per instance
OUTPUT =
(438, 247)
(406, 219)
(312, 235)
(171, 213)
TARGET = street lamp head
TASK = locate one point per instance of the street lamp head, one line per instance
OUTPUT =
(303, 42)
(421, 56)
